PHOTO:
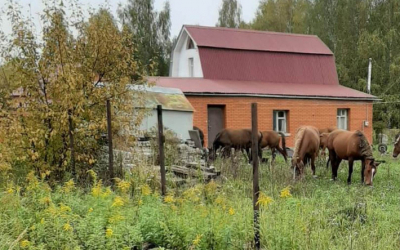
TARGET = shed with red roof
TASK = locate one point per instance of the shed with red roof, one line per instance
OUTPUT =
(292, 77)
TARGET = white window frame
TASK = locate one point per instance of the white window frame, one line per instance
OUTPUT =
(342, 115)
(191, 66)
(277, 119)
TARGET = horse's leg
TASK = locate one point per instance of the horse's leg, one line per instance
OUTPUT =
(249, 156)
(332, 159)
(273, 153)
(351, 162)
(282, 153)
(313, 157)
(362, 171)
(335, 169)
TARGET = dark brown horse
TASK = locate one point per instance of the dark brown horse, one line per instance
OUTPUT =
(352, 146)
(239, 139)
(305, 148)
(396, 149)
(271, 140)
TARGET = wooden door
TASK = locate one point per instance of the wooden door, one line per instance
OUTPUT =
(215, 121)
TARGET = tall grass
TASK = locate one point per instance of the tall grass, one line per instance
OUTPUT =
(316, 213)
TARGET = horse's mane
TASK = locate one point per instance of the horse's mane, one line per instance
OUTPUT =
(297, 141)
(366, 150)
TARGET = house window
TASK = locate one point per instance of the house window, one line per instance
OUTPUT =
(190, 44)
(280, 120)
(342, 118)
(191, 67)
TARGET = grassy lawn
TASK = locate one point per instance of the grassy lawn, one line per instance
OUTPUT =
(313, 213)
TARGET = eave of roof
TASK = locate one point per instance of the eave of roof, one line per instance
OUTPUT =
(208, 87)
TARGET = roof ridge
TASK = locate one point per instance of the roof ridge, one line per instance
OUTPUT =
(249, 31)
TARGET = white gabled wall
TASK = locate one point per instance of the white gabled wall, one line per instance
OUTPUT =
(181, 55)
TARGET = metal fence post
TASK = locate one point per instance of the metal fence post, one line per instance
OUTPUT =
(256, 187)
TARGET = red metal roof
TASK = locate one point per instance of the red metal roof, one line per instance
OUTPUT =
(263, 66)
(200, 86)
(256, 40)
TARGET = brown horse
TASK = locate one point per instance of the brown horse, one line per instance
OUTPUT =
(271, 139)
(352, 146)
(305, 148)
(396, 149)
(239, 139)
(327, 130)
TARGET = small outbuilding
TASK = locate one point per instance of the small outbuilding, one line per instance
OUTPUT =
(177, 110)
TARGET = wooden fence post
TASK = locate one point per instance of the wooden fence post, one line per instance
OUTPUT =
(161, 141)
(110, 143)
(256, 187)
(71, 144)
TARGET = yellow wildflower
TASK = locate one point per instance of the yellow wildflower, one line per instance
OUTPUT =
(220, 200)
(48, 172)
(118, 202)
(106, 193)
(67, 227)
(140, 202)
(231, 211)
(197, 240)
(90, 210)
(69, 186)
(32, 228)
(93, 175)
(264, 200)
(169, 199)
(42, 221)
(123, 186)
(45, 200)
(64, 208)
(146, 190)
(192, 194)
(96, 190)
(210, 188)
(24, 243)
(10, 190)
(116, 218)
(285, 193)
(109, 232)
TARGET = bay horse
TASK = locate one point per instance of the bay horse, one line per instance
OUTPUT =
(396, 149)
(327, 130)
(352, 146)
(239, 139)
(271, 139)
(306, 146)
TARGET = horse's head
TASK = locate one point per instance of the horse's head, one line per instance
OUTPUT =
(371, 167)
(323, 140)
(297, 165)
(396, 149)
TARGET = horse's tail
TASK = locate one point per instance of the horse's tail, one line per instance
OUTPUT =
(283, 145)
(298, 140)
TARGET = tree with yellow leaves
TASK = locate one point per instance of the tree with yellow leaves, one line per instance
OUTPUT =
(64, 75)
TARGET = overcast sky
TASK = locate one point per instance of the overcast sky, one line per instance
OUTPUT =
(197, 12)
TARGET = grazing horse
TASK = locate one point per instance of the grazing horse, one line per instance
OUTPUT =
(352, 146)
(201, 135)
(239, 139)
(327, 130)
(306, 146)
(396, 149)
(271, 139)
